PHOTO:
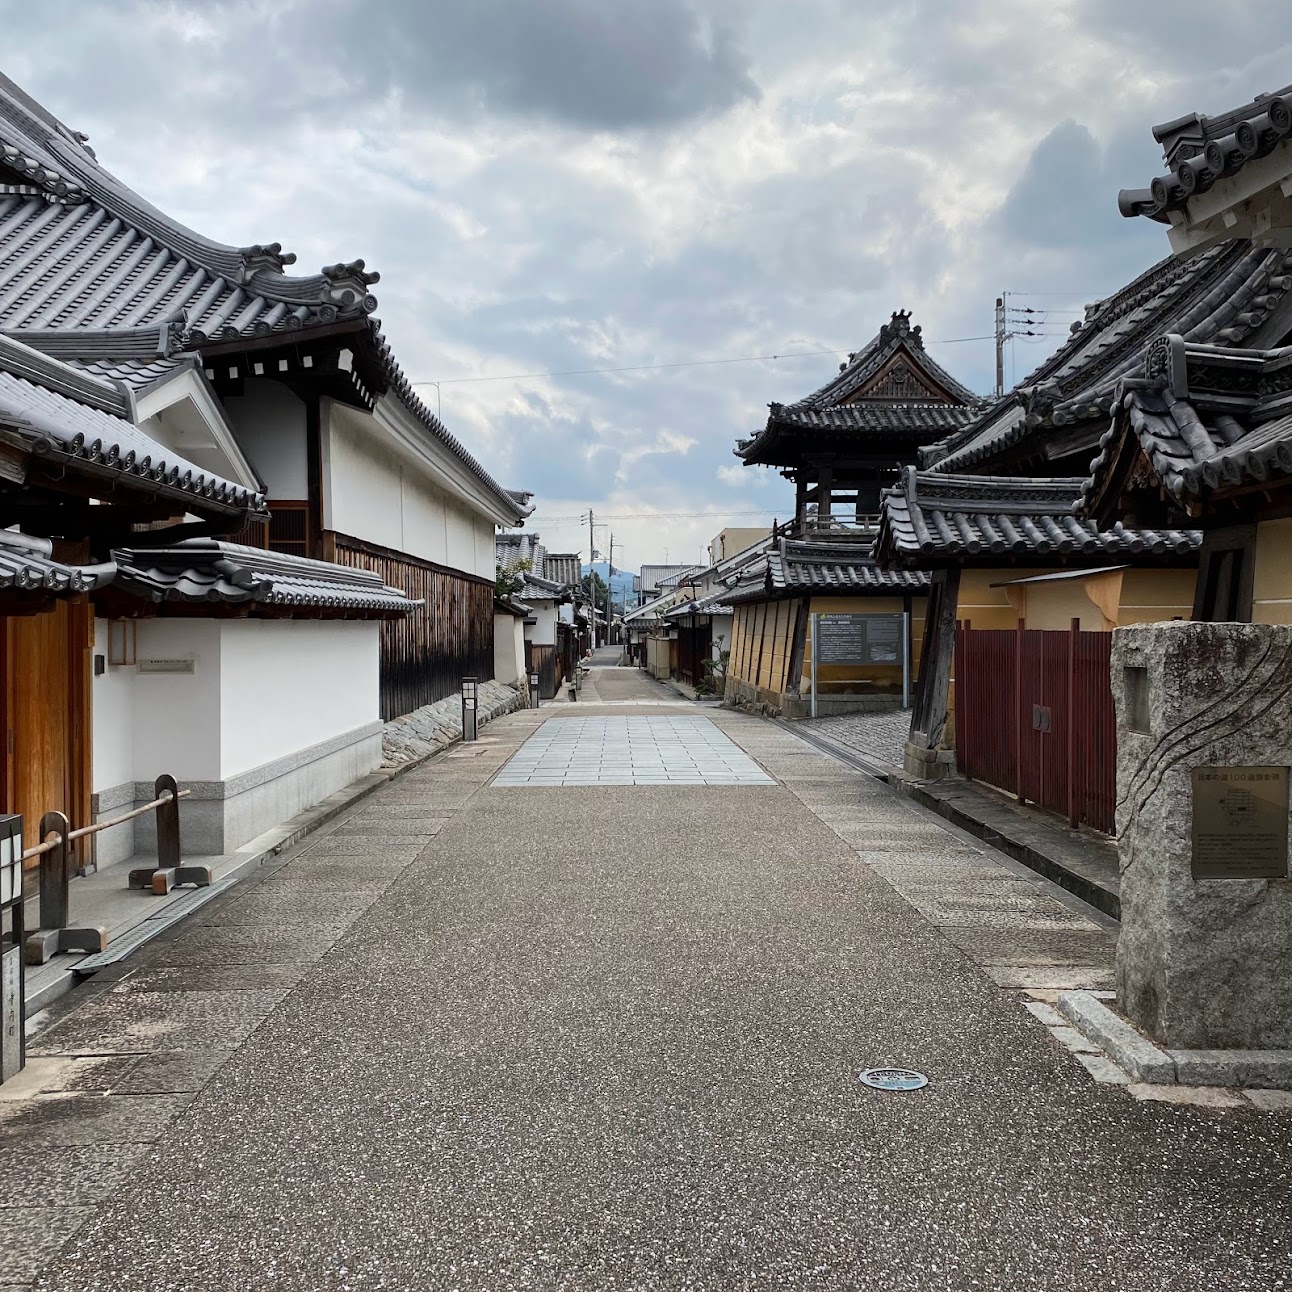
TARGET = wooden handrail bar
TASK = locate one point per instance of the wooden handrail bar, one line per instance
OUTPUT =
(52, 839)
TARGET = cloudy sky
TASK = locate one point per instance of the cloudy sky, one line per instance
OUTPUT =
(548, 185)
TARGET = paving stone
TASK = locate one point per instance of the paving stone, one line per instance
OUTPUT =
(390, 827)
(32, 1236)
(1270, 1101)
(170, 1020)
(1103, 1070)
(403, 849)
(66, 1176)
(293, 904)
(87, 1119)
(239, 977)
(1192, 1096)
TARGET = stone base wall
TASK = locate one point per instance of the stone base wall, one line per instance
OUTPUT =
(739, 694)
(928, 764)
(218, 817)
(1201, 963)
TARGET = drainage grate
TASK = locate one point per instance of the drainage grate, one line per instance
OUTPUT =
(893, 1079)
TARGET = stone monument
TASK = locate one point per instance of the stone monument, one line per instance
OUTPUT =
(1204, 743)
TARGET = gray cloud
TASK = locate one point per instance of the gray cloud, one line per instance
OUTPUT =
(583, 184)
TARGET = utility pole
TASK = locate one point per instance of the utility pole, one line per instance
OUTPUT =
(610, 591)
(1000, 346)
(592, 583)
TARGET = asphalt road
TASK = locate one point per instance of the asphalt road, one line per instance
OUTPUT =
(609, 1037)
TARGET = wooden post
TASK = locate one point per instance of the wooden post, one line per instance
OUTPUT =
(1018, 712)
(929, 722)
(1072, 721)
(794, 681)
(56, 866)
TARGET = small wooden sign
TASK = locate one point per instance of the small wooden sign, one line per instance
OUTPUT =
(1240, 823)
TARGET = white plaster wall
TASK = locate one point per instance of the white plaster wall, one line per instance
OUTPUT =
(289, 684)
(374, 494)
(508, 648)
(113, 718)
(176, 725)
(268, 422)
(542, 632)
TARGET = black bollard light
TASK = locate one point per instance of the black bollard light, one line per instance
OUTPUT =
(470, 707)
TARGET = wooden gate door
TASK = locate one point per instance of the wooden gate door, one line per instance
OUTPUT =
(46, 701)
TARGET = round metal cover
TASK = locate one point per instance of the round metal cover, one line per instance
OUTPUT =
(894, 1079)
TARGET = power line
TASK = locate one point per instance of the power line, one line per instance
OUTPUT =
(651, 367)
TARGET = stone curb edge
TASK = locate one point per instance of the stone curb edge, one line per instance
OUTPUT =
(1145, 1062)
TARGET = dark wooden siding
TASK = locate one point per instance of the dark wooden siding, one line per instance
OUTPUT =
(425, 656)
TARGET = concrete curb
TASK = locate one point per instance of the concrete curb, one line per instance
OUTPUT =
(1144, 1062)
(261, 850)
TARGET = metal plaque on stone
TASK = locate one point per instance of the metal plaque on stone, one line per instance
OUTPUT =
(1240, 822)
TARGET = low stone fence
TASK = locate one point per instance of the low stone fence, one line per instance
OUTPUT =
(433, 726)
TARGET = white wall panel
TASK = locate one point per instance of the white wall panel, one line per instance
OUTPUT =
(268, 422)
(288, 685)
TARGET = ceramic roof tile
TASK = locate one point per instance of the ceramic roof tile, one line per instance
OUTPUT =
(1200, 150)
(891, 387)
(1222, 296)
(1203, 418)
(206, 570)
(100, 259)
(27, 567)
(66, 414)
(932, 518)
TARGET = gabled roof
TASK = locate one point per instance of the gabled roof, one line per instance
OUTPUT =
(1223, 296)
(1201, 422)
(92, 271)
(537, 588)
(1202, 151)
(890, 387)
(931, 519)
(207, 571)
(63, 415)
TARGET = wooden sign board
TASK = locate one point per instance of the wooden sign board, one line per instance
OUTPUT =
(1240, 823)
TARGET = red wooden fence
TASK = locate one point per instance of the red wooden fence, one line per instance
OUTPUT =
(1034, 715)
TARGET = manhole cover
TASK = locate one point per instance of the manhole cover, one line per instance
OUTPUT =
(893, 1079)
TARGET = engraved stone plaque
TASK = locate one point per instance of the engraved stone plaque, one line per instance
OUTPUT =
(10, 1012)
(1240, 822)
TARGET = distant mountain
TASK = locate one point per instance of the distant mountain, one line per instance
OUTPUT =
(621, 585)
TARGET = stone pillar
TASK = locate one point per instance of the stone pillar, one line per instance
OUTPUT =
(1203, 962)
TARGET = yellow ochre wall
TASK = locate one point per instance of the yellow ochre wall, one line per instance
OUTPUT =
(771, 625)
(1272, 574)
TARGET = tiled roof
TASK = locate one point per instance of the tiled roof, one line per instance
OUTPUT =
(87, 256)
(26, 566)
(1204, 420)
(64, 414)
(1222, 296)
(537, 588)
(205, 570)
(889, 387)
(1200, 150)
(930, 518)
(713, 603)
(917, 418)
(836, 567)
(563, 567)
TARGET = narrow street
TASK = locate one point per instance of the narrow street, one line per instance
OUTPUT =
(591, 1035)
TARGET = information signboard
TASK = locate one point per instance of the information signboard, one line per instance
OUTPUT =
(1240, 822)
(859, 639)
